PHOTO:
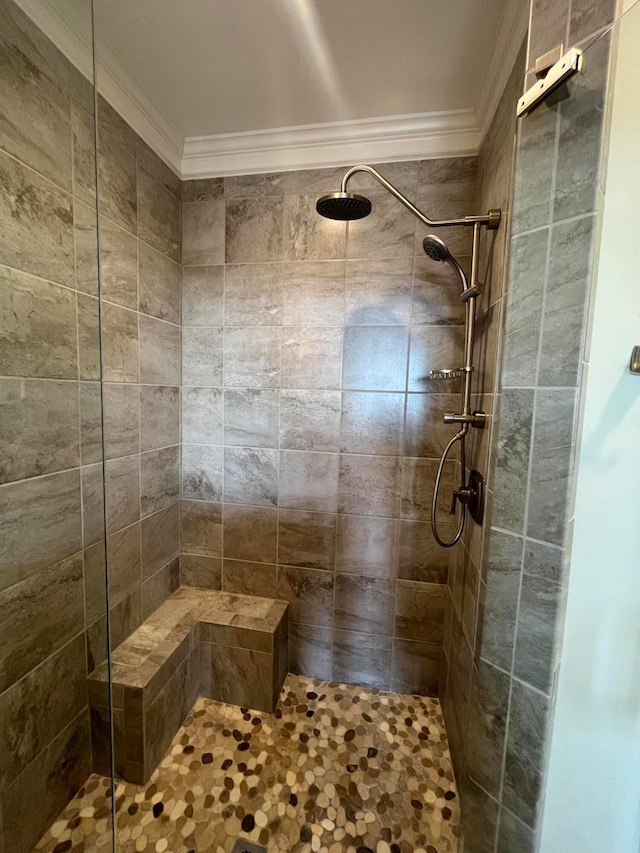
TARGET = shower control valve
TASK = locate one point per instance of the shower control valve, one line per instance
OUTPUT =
(476, 419)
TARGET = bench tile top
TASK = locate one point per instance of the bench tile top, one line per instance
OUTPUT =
(137, 660)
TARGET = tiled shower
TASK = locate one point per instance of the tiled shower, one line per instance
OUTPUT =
(204, 384)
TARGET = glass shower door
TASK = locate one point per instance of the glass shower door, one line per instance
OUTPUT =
(53, 593)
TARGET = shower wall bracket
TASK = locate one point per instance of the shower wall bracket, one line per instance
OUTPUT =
(565, 67)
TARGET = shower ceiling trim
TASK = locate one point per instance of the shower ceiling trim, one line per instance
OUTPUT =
(376, 140)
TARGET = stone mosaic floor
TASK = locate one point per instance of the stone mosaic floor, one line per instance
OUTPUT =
(336, 768)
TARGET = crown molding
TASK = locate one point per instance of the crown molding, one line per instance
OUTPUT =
(115, 85)
(374, 140)
(513, 28)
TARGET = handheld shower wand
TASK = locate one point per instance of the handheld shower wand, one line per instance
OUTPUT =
(346, 206)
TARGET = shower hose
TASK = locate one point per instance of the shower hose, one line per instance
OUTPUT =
(458, 437)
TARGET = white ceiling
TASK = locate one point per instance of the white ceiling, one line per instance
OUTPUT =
(238, 86)
(221, 66)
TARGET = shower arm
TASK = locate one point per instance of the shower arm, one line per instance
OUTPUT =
(491, 219)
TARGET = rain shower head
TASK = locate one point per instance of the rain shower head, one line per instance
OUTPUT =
(436, 249)
(343, 206)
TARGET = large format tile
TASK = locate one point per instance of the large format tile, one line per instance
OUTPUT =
(309, 480)
(158, 216)
(386, 233)
(566, 302)
(93, 513)
(367, 545)
(537, 630)
(201, 571)
(378, 292)
(436, 295)
(39, 706)
(40, 523)
(61, 769)
(159, 352)
(419, 611)
(372, 423)
(524, 763)
(311, 357)
(487, 725)
(524, 309)
(499, 599)
(85, 235)
(254, 186)
(252, 357)
(362, 659)
(117, 182)
(123, 492)
(309, 593)
(39, 615)
(37, 327)
(159, 479)
(119, 344)
(514, 836)
(534, 169)
(306, 539)
(420, 558)
(551, 464)
(35, 117)
(416, 667)
(375, 358)
(202, 295)
(310, 420)
(159, 416)
(434, 348)
(121, 419)
(253, 230)
(309, 236)
(160, 539)
(426, 434)
(250, 533)
(418, 481)
(251, 475)
(203, 232)
(202, 415)
(369, 485)
(313, 293)
(310, 650)
(253, 294)
(364, 604)
(38, 428)
(89, 343)
(123, 560)
(118, 264)
(582, 116)
(251, 417)
(202, 189)
(246, 578)
(511, 458)
(159, 281)
(37, 224)
(159, 587)
(202, 472)
(201, 528)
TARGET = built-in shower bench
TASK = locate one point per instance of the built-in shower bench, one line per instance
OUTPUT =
(232, 648)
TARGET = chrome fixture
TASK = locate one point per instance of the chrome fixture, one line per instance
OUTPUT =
(634, 363)
(471, 493)
(346, 206)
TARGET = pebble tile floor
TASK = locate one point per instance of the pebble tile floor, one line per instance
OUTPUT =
(335, 768)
